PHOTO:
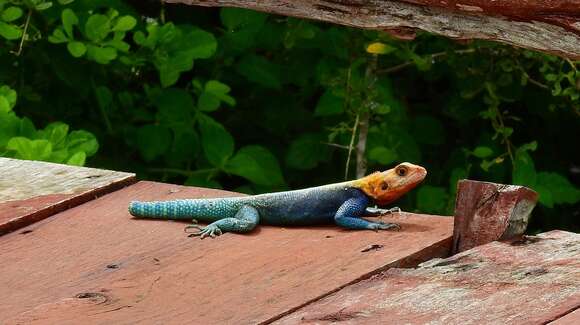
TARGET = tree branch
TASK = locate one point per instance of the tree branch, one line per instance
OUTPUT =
(548, 26)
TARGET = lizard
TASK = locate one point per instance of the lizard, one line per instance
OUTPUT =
(343, 203)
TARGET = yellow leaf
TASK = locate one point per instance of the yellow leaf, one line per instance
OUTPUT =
(379, 48)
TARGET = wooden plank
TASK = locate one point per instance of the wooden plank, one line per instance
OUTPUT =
(485, 212)
(94, 263)
(531, 281)
(33, 190)
(572, 318)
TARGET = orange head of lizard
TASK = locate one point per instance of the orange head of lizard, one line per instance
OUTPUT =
(385, 187)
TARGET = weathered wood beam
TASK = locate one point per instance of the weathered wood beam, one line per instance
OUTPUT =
(534, 281)
(548, 26)
(485, 212)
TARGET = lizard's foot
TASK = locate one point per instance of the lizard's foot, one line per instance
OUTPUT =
(385, 226)
(210, 230)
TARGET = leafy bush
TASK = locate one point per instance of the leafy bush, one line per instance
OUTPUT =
(256, 103)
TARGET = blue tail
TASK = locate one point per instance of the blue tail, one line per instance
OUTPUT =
(178, 209)
(204, 209)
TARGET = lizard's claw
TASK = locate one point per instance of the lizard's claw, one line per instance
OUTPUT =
(386, 226)
(211, 231)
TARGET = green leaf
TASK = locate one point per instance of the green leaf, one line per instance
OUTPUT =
(102, 55)
(431, 199)
(202, 45)
(207, 102)
(76, 49)
(125, 24)
(257, 164)
(78, 159)
(10, 32)
(97, 27)
(81, 140)
(562, 191)
(382, 155)
(9, 95)
(153, 141)
(306, 152)
(214, 93)
(168, 75)
(10, 14)
(30, 149)
(26, 128)
(56, 133)
(217, 142)
(58, 36)
(329, 104)
(175, 108)
(185, 147)
(532, 146)
(261, 71)
(545, 196)
(524, 170)
(482, 152)
(43, 5)
(220, 90)
(69, 19)
(4, 105)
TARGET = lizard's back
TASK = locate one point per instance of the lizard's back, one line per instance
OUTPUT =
(309, 206)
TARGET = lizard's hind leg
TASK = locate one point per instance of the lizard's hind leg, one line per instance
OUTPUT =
(245, 220)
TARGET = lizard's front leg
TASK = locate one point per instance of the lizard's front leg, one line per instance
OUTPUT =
(350, 212)
(245, 220)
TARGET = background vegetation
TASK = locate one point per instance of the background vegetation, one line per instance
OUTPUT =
(250, 102)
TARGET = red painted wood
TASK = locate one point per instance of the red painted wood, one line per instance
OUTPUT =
(95, 264)
(531, 281)
(485, 212)
(32, 190)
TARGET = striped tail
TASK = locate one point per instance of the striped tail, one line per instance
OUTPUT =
(177, 209)
(202, 209)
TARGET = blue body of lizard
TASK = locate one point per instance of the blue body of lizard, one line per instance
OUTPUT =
(342, 203)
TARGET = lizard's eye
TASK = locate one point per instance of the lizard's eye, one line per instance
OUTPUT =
(401, 171)
(384, 186)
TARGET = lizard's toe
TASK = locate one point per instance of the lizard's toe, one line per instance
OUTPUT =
(209, 231)
(388, 225)
(194, 226)
(385, 226)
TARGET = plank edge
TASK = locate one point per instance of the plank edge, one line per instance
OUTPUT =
(29, 219)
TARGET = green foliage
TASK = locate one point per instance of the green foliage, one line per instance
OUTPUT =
(20, 139)
(245, 101)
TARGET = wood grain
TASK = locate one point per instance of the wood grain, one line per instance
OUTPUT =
(543, 25)
(32, 190)
(95, 264)
(531, 281)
